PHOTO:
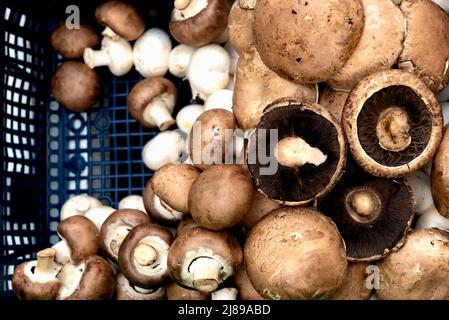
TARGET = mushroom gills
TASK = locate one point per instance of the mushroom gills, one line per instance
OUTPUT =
(70, 277)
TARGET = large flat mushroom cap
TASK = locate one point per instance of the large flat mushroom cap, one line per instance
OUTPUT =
(378, 48)
(307, 41)
(427, 27)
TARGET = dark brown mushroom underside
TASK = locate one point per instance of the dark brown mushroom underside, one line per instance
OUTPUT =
(420, 121)
(296, 184)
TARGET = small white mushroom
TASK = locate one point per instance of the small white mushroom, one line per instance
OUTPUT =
(115, 54)
(151, 53)
(62, 252)
(165, 148)
(187, 116)
(225, 294)
(99, 214)
(432, 219)
(234, 58)
(220, 99)
(132, 202)
(421, 187)
(179, 60)
(78, 205)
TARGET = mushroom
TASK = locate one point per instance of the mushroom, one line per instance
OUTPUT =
(307, 41)
(124, 290)
(418, 271)
(166, 147)
(117, 55)
(379, 47)
(202, 259)
(75, 86)
(151, 102)
(295, 253)
(121, 19)
(420, 184)
(432, 219)
(176, 292)
(256, 86)
(354, 286)
(443, 4)
(132, 202)
(70, 43)
(221, 196)
(445, 107)
(90, 279)
(98, 215)
(36, 280)
(393, 123)
(220, 99)
(78, 205)
(260, 207)
(225, 294)
(334, 101)
(172, 184)
(440, 176)
(79, 240)
(247, 4)
(187, 116)
(234, 58)
(372, 214)
(151, 53)
(143, 255)
(241, 29)
(117, 226)
(245, 287)
(179, 60)
(208, 70)
(197, 23)
(309, 152)
(423, 33)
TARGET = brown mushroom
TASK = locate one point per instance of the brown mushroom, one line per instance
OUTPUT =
(295, 253)
(36, 280)
(240, 25)
(260, 207)
(419, 270)
(151, 103)
(427, 27)
(221, 196)
(202, 259)
(307, 41)
(70, 43)
(245, 287)
(126, 291)
(440, 176)
(75, 86)
(354, 286)
(197, 23)
(121, 19)
(334, 101)
(172, 184)
(393, 123)
(117, 226)
(176, 292)
(143, 255)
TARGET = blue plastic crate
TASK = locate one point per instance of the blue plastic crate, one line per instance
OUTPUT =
(48, 154)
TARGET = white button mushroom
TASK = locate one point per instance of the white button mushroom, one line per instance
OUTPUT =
(432, 219)
(151, 53)
(99, 214)
(132, 202)
(179, 60)
(421, 188)
(187, 116)
(234, 57)
(166, 147)
(225, 294)
(78, 205)
(220, 99)
(115, 54)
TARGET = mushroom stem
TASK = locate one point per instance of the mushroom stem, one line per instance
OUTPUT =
(157, 112)
(295, 152)
(96, 58)
(363, 205)
(181, 4)
(45, 261)
(206, 274)
(145, 255)
(108, 32)
(393, 130)
(82, 204)
(142, 290)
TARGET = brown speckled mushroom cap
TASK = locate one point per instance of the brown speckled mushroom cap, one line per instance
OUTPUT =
(70, 43)
(240, 25)
(176, 292)
(310, 151)
(334, 101)
(260, 207)
(126, 291)
(379, 46)
(393, 123)
(354, 286)
(419, 270)
(203, 27)
(143, 255)
(245, 287)
(120, 16)
(295, 253)
(427, 27)
(307, 41)
(81, 236)
(440, 176)
(198, 245)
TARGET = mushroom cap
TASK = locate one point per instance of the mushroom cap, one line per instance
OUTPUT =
(383, 91)
(202, 28)
(419, 270)
(256, 86)
(166, 147)
(245, 287)
(295, 253)
(70, 43)
(196, 242)
(128, 218)
(354, 286)
(307, 41)
(124, 19)
(209, 135)
(221, 196)
(379, 46)
(440, 176)
(260, 207)
(424, 33)
(160, 239)
(125, 291)
(334, 101)
(315, 125)
(75, 86)
(81, 236)
(144, 92)
(240, 25)
(172, 184)
(176, 292)
(186, 223)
